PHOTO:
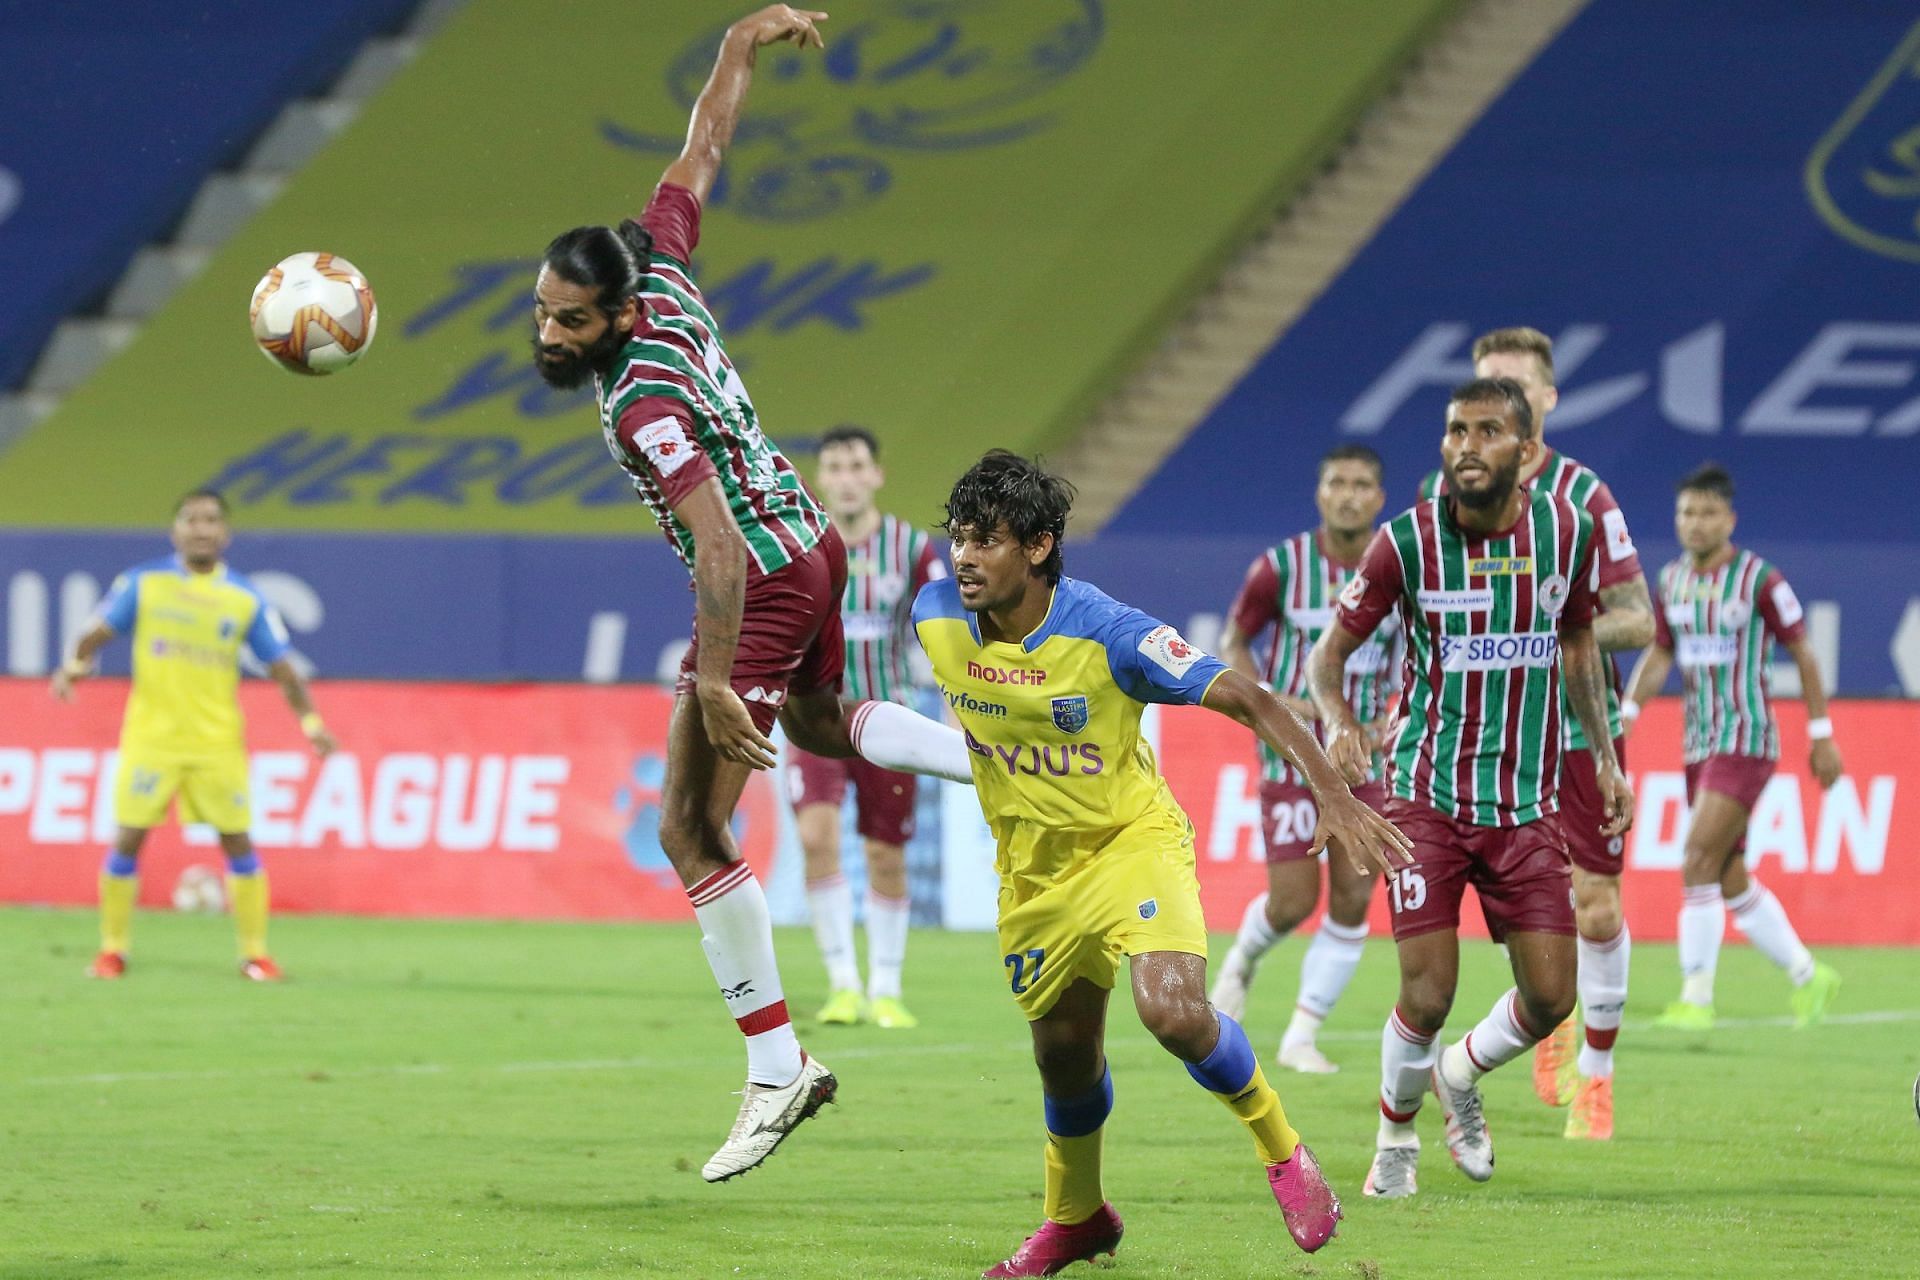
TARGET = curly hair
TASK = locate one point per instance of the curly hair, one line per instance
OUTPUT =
(1005, 488)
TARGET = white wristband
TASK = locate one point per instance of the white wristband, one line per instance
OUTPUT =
(1629, 709)
(1821, 729)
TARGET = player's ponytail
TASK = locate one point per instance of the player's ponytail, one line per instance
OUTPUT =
(606, 259)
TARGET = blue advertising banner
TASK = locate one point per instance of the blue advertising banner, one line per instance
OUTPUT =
(1712, 209)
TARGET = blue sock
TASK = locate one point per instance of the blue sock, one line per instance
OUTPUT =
(1078, 1117)
(244, 864)
(119, 864)
(1231, 1064)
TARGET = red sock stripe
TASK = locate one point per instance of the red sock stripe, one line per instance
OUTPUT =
(1602, 1040)
(1520, 1023)
(881, 899)
(1407, 1031)
(774, 1015)
(1398, 1117)
(1467, 1044)
(1700, 894)
(857, 723)
(1610, 944)
(720, 882)
(833, 881)
(1746, 901)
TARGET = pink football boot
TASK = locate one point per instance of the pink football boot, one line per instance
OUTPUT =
(1306, 1201)
(1054, 1248)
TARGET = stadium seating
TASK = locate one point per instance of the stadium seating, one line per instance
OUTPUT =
(109, 123)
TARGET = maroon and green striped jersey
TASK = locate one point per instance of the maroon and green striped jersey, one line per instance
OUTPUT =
(885, 571)
(1479, 734)
(1292, 588)
(1720, 625)
(1615, 560)
(675, 411)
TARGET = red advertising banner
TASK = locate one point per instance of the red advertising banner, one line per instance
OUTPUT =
(456, 800)
(1845, 863)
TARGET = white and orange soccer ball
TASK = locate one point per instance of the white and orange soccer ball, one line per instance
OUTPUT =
(314, 313)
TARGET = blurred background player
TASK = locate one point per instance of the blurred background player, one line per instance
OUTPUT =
(1292, 588)
(1049, 676)
(1623, 620)
(888, 561)
(1721, 609)
(1493, 583)
(619, 307)
(188, 614)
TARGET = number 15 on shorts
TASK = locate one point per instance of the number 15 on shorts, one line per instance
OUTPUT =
(1408, 889)
(1026, 968)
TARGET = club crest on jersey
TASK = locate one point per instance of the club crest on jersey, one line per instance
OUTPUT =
(1553, 594)
(1150, 908)
(226, 628)
(1734, 615)
(1070, 714)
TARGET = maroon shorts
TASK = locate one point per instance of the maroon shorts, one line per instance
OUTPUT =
(790, 636)
(1288, 815)
(1583, 812)
(883, 799)
(1520, 873)
(1741, 777)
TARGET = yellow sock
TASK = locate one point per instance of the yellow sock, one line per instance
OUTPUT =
(248, 894)
(1073, 1178)
(1258, 1107)
(116, 911)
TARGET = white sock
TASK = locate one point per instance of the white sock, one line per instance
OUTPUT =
(1406, 1061)
(1496, 1040)
(1603, 998)
(831, 903)
(1759, 915)
(737, 936)
(886, 944)
(1325, 970)
(1703, 923)
(1255, 939)
(898, 738)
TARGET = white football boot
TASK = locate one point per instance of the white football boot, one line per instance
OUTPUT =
(767, 1116)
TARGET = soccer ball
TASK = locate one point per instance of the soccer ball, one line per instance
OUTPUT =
(314, 313)
(199, 890)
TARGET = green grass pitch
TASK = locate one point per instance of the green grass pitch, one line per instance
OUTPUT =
(488, 1099)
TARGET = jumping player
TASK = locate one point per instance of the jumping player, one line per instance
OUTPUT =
(1493, 584)
(1292, 588)
(619, 307)
(1049, 677)
(1624, 620)
(888, 561)
(1721, 609)
(188, 615)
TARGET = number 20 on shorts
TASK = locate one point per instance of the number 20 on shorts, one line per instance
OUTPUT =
(1026, 968)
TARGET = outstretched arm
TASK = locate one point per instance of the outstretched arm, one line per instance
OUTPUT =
(717, 111)
(1368, 840)
(80, 665)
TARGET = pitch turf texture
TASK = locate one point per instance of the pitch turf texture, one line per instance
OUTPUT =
(483, 1099)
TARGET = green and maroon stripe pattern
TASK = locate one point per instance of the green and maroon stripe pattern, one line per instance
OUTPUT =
(885, 570)
(1724, 651)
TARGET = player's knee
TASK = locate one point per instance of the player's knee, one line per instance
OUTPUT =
(1425, 1004)
(1598, 917)
(1068, 1067)
(1185, 1028)
(1284, 914)
(1700, 865)
(1347, 906)
(1547, 1008)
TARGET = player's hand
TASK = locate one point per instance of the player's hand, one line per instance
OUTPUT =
(1367, 840)
(1824, 759)
(1618, 798)
(1378, 731)
(779, 22)
(731, 729)
(1351, 751)
(323, 742)
(61, 686)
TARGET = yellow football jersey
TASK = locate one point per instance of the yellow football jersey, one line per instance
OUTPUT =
(187, 630)
(1054, 721)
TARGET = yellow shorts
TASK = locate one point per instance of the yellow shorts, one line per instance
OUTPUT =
(1135, 893)
(212, 789)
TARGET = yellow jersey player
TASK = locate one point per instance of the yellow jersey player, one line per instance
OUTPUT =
(183, 735)
(1048, 678)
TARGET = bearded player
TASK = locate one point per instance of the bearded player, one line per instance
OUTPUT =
(1721, 609)
(888, 561)
(1624, 620)
(619, 307)
(1291, 588)
(1493, 585)
(188, 616)
(1049, 677)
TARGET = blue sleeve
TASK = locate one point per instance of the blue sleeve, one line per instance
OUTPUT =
(122, 604)
(1152, 663)
(938, 599)
(267, 637)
